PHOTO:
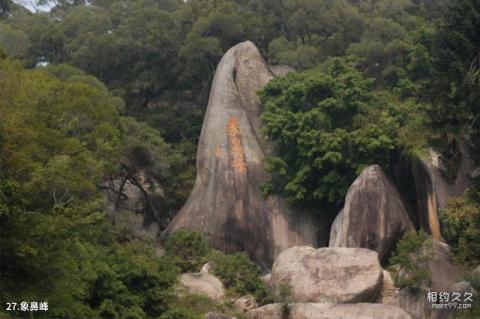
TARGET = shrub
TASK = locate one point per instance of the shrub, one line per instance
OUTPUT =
(188, 249)
(410, 260)
(196, 304)
(239, 274)
(460, 222)
(283, 296)
(327, 127)
(179, 313)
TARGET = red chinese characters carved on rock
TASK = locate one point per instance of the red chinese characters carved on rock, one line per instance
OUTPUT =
(236, 147)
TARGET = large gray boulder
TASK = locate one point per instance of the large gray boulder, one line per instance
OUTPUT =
(226, 203)
(374, 215)
(203, 284)
(328, 311)
(328, 274)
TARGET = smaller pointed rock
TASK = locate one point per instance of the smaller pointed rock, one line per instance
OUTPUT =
(374, 215)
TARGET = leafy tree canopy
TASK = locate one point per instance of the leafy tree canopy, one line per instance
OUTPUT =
(326, 127)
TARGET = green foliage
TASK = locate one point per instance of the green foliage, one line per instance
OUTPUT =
(410, 260)
(129, 279)
(195, 305)
(283, 295)
(15, 42)
(60, 137)
(240, 275)
(460, 221)
(179, 313)
(64, 134)
(188, 249)
(327, 127)
(455, 82)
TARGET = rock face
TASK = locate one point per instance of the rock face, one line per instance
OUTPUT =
(328, 311)
(202, 284)
(414, 302)
(245, 303)
(443, 271)
(328, 274)
(207, 268)
(388, 288)
(214, 315)
(443, 276)
(433, 191)
(226, 203)
(374, 215)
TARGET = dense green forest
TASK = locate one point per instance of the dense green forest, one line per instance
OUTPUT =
(116, 90)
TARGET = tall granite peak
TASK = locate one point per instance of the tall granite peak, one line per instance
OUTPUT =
(226, 203)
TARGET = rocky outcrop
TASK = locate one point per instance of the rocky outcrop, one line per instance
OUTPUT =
(328, 274)
(328, 311)
(206, 268)
(374, 215)
(435, 257)
(388, 288)
(414, 302)
(245, 303)
(266, 279)
(443, 275)
(443, 270)
(433, 191)
(463, 287)
(226, 203)
(214, 315)
(203, 284)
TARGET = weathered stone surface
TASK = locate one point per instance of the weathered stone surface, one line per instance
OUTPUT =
(226, 203)
(328, 274)
(201, 284)
(348, 311)
(414, 302)
(388, 288)
(328, 311)
(476, 271)
(443, 276)
(214, 315)
(462, 287)
(270, 311)
(443, 271)
(207, 268)
(245, 303)
(433, 191)
(463, 180)
(266, 279)
(374, 215)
